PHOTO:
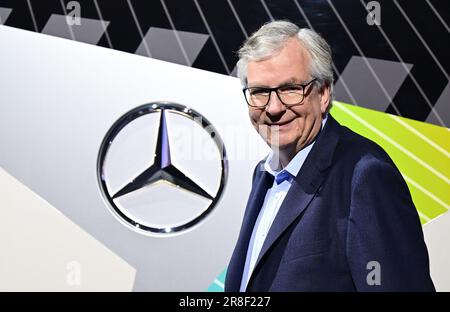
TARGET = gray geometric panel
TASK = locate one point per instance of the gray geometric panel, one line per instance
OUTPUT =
(89, 30)
(164, 45)
(4, 13)
(234, 72)
(442, 108)
(363, 86)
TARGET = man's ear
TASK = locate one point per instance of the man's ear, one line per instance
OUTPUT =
(324, 97)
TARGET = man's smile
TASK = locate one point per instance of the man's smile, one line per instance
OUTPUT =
(280, 124)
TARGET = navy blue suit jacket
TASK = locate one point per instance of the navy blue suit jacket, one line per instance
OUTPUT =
(347, 207)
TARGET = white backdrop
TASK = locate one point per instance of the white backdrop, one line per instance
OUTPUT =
(58, 98)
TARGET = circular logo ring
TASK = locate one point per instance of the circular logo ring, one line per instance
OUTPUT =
(166, 172)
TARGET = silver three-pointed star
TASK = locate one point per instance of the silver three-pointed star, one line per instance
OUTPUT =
(162, 169)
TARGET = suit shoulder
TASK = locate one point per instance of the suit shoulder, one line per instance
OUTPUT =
(259, 168)
(353, 146)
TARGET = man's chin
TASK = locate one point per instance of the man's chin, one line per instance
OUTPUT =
(280, 146)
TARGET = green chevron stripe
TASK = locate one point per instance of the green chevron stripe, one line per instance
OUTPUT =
(438, 134)
(432, 197)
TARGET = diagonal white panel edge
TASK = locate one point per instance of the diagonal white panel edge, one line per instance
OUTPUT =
(42, 250)
(50, 137)
(437, 236)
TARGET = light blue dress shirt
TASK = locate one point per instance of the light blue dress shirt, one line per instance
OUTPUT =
(272, 202)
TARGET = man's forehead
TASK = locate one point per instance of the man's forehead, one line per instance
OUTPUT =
(273, 76)
(289, 65)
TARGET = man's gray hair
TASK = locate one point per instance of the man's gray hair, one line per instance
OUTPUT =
(271, 38)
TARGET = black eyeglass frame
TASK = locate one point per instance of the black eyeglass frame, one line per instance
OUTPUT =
(270, 90)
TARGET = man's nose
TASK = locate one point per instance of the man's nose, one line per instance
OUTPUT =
(275, 106)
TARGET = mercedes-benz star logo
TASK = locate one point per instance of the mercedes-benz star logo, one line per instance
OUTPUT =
(161, 170)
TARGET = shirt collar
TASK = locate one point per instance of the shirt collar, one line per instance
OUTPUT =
(273, 166)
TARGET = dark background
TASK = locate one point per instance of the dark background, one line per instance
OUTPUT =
(411, 32)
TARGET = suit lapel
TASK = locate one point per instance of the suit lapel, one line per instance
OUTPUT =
(262, 183)
(305, 184)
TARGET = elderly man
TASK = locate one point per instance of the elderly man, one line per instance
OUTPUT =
(328, 209)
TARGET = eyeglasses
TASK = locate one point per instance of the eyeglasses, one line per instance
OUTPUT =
(289, 94)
